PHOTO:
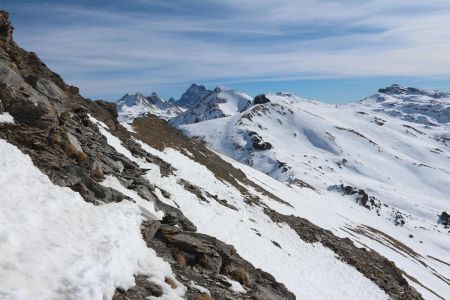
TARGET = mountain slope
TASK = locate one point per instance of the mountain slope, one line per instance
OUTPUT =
(381, 163)
(60, 149)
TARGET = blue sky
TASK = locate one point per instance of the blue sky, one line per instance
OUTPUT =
(335, 51)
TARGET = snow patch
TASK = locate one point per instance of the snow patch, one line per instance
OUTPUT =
(54, 245)
(5, 117)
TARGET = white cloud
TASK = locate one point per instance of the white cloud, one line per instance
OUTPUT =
(251, 40)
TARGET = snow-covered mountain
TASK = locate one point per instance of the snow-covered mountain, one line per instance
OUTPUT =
(425, 107)
(221, 102)
(388, 154)
(193, 95)
(195, 105)
(130, 107)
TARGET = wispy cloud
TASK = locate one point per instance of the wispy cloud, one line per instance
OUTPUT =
(109, 48)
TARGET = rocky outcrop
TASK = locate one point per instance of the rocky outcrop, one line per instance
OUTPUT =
(261, 99)
(6, 29)
(361, 197)
(258, 143)
(200, 254)
(370, 202)
(444, 218)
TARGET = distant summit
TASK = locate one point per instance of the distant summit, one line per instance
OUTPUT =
(423, 106)
(396, 89)
(130, 107)
(221, 102)
(193, 95)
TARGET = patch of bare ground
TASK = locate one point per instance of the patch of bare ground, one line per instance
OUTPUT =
(372, 265)
(414, 129)
(302, 184)
(358, 134)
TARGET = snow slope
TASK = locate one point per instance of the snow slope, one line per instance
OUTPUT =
(130, 107)
(55, 245)
(392, 149)
(311, 271)
(6, 118)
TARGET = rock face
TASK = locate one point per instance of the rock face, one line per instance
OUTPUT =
(257, 143)
(193, 95)
(261, 99)
(6, 29)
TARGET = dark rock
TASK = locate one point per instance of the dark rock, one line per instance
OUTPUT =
(360, 195)
(276, 244)
(445, 218)
(74, 89)
(258, 143)
(170, 218)
(149, 229)
(6, 29)
(261, 99)
(183, 222)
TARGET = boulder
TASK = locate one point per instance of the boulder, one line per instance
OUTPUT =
(445, 218)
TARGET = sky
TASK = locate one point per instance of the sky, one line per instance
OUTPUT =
(334, 51)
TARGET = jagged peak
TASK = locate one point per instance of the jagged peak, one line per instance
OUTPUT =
(193, 95)
(196, 87)
(154, 97)
(131, 99)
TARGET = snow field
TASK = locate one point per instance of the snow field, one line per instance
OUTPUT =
(54, 245)
(308, 270)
